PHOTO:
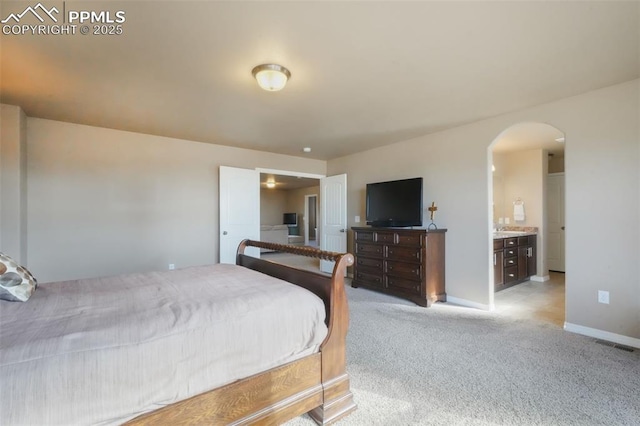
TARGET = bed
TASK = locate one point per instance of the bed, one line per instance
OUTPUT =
(187, 366)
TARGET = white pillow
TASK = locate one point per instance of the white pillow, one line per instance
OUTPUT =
(16, 282)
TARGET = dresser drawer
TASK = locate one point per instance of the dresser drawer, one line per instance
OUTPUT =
(373, 279)
(403, 269)
(510, 261)
(498, 244)
(403, 285)
(386, 237)
(410, 240)
(364, 263)
(409, 254)
(366, 236)
(371, 250)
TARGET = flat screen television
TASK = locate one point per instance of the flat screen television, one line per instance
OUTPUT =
(290, 219)
(395, 203)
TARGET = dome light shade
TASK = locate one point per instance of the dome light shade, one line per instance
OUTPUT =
(271, 77)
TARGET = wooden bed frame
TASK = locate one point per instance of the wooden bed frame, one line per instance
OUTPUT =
(317, 384)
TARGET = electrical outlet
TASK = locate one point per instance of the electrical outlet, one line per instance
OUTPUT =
(172, 266)
(507, 221)
(603, 297)
(357, 219)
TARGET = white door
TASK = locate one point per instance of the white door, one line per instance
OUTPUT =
(333, 217)
(239, 211)
(555, 222)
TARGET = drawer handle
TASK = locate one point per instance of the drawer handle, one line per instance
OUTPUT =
(512, 275)
(511, 262)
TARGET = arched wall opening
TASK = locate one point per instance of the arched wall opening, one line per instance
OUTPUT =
(521, 160)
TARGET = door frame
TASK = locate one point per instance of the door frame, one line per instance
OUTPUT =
(298, 174)
(289, 173)
(306, 217)
(564, 251)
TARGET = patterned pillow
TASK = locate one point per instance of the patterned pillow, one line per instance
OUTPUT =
(16, 282)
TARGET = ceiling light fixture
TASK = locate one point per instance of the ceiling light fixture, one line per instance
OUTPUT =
(306, 149)
(271, 77)
(560, 139)
(271, 184)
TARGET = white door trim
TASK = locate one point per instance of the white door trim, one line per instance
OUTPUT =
(289, 173)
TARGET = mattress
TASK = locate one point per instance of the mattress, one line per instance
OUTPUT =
(104, 350)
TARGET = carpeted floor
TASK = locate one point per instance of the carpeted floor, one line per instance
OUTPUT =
(449, 365)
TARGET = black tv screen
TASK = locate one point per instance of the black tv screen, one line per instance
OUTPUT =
(290, 219)
(395, 203)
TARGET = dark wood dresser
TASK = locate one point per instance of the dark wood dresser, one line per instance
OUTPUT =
(407, 263)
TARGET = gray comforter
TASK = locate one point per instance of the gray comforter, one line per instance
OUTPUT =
(103, 350)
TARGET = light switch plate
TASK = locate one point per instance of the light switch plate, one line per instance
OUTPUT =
(357, 219)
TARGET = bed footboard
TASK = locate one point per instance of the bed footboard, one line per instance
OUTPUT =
(317, 384)
(337, 399)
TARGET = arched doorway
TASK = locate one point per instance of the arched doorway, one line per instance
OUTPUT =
(526, 163)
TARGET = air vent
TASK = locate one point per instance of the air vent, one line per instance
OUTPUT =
(615, 345)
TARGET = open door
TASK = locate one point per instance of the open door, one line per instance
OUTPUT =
(333, 217)
(239, 202)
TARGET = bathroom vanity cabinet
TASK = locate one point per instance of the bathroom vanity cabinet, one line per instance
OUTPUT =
(514, 260)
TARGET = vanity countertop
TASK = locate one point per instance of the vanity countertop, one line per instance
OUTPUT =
(515, 231)
(512, 234)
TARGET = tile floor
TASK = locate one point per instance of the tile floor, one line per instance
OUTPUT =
(535, 300)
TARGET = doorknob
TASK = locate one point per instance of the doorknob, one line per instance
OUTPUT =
(342, 230)
(224, 232)
(562, 227)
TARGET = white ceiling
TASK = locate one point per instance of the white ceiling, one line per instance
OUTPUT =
(364, 74)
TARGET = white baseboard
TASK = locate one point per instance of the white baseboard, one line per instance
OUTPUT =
(469, 304)
(540, 278)
(603, 335)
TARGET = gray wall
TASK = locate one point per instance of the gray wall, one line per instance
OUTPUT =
(13, 183)
(602, 200)
(103, 202)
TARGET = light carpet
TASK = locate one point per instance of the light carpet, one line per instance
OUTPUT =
(449, 365)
